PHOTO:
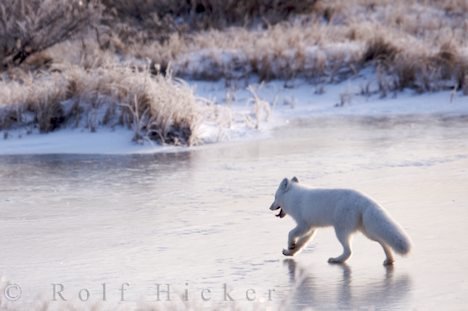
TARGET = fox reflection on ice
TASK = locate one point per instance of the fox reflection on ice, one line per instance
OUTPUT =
(390, 292)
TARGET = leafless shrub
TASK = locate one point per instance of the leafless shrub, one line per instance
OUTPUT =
(31, 26)
(205, 14)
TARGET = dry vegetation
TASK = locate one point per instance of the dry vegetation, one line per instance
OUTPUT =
(157, 108)
(92, 63)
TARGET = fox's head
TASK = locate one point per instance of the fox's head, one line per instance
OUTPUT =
(284, 187)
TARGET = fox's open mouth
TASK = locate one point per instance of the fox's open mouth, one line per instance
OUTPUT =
(281, 213)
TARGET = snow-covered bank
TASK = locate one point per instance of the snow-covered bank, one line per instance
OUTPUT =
(357, 97)
(241, 113)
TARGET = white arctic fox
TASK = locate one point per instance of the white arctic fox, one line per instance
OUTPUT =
(346, 210)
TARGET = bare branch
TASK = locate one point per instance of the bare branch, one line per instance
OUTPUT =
(28, 27)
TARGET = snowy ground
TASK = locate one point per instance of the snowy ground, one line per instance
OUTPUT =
(238, 117)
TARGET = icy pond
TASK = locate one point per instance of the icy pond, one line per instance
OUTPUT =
(115, 229)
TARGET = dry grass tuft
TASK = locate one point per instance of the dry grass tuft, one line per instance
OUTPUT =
(378, 49)
(406, 70)
(157, 108)
(262, 109)
(447, 59)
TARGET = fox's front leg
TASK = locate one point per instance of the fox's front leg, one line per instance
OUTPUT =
(302, 242)
(293, 235)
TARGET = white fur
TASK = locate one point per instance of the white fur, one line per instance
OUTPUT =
(346, 210)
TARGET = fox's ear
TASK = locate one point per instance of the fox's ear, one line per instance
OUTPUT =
(294, 179)
(284, 185)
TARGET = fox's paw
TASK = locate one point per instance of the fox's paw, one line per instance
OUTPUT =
(388, 262)
(334, 260)
(288, 252)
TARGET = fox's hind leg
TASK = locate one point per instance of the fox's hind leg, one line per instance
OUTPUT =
(344, 237)
(388, 253)
(301, 243)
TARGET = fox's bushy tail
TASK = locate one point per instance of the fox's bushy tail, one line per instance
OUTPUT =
(381, 227)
